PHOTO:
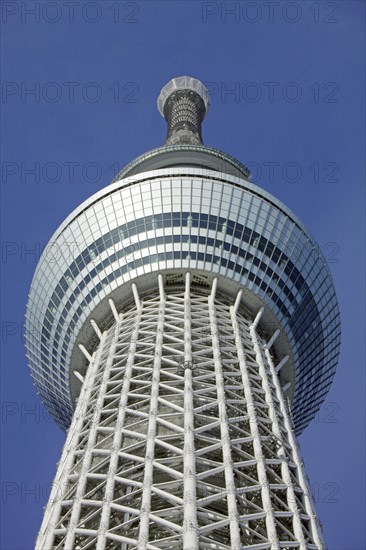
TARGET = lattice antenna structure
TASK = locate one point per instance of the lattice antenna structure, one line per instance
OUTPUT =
(184, 102)
(183, 344)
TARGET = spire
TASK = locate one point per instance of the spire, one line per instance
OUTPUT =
(184, 102)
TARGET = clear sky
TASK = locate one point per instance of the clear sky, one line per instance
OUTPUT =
(287, 93)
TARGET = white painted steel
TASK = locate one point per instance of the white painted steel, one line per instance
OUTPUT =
(59, 488)
(224, 425)
(309, 503)
(143, 539)
(257, 445)
(282, 451)
(181, 437)
(190, 526)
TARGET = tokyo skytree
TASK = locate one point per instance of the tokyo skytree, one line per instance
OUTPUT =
(183, 341)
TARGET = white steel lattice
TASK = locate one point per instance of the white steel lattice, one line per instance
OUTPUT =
(181, 438)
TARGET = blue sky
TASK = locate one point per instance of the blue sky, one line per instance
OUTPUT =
(287, 99)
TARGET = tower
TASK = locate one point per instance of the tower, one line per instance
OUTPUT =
(184, 341)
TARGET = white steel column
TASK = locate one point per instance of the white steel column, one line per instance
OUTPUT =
(117, 440)
(224, 426)
(114, 310)
(257, 444)
(70, 536)
(190, 527)
(316, 530)
(151, 433)
(291, 499)
(59, 486)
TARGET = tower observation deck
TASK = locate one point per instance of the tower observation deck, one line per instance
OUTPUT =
(184, 342)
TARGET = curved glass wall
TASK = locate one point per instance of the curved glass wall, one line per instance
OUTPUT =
(176, 219)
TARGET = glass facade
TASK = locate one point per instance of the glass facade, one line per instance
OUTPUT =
(179, 219)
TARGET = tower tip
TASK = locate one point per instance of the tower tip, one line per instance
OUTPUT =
(183, 83)
(184, 103)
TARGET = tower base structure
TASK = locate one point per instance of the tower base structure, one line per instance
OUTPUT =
(182, 437)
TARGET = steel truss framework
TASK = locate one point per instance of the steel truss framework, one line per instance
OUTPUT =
(181, 437)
